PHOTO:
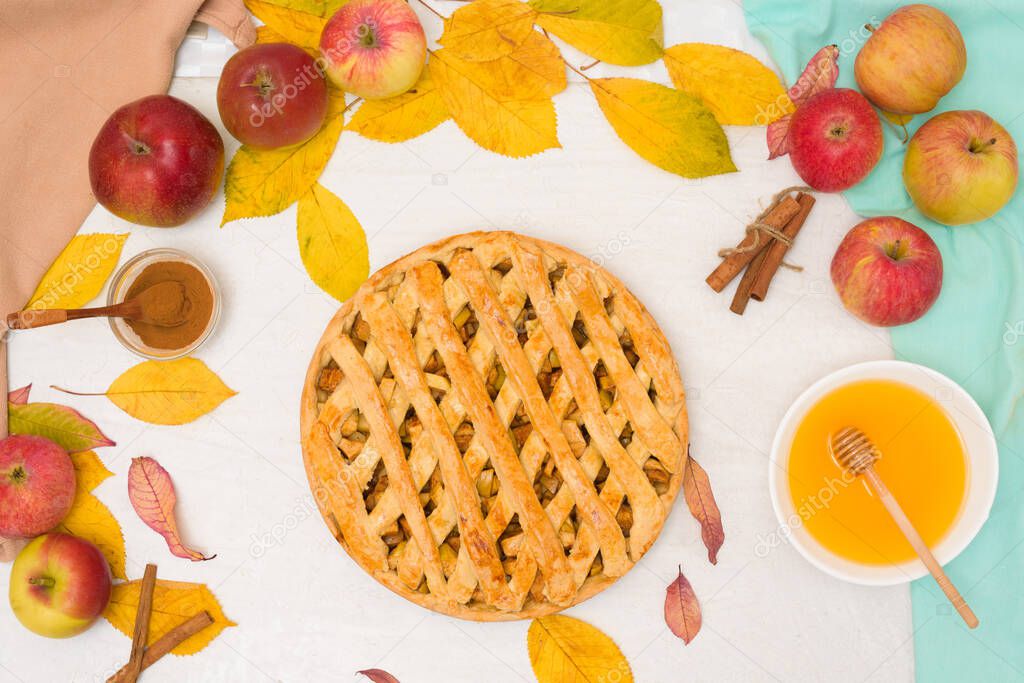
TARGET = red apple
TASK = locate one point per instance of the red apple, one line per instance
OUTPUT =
(37, 485)
(374, 48)
(887, 271)
(59, 585)
(960, 167)
(911, 60)
(272, 95)
(835, 139)
(156, 161)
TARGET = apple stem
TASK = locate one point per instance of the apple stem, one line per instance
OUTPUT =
(895, 251)
(977, 147)
(44, 581)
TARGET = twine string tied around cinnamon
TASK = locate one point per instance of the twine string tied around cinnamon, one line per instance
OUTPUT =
(758, 227)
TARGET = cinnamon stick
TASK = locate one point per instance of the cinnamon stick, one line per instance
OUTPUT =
(141, 633)
(746, 251)
(167, 642)
(777, 250)
(742, 296)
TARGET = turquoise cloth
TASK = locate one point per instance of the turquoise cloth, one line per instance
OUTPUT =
(974, 333)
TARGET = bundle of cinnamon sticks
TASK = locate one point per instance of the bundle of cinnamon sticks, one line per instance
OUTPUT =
(763, 248)
(144, 656)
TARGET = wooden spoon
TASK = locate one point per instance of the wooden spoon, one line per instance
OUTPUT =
(163, 304)
(855, 452)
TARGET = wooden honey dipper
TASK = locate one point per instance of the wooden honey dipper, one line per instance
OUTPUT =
(855, 452)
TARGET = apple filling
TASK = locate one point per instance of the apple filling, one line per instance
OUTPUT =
(547, 480)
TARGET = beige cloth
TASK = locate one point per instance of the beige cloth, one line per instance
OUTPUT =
(68, 65)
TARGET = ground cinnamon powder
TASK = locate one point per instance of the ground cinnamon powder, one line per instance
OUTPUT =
(197, 307)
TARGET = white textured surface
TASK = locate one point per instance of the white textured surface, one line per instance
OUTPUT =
(308, 613)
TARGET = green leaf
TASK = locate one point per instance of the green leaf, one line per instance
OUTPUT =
(60, 424)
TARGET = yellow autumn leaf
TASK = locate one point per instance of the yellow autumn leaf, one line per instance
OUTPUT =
(477, 97)
(169, 392)
(332, 6)
(90, 471)
(670, 129)
(487, 29)
(898, 119)
(623, 32)
(79, 272)
(173, 603)
(567, 650)
(316, 7)
(266, 182)
(533, 71)
(298, 27)
(90, 519)
(332, 243)
(404, 117)
(735, 86)
(265, 34)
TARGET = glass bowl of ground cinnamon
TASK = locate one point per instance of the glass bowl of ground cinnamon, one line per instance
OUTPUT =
(182, 320)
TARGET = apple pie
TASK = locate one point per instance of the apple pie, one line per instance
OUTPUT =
(494, 427)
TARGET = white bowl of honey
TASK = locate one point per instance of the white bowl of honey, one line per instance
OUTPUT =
(939, 459)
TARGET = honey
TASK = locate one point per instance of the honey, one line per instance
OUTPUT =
(923, 464)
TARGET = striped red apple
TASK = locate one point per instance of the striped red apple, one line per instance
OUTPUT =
(911, 60)
(887, 271)
(960, 167)
(37, 485)
(60, 584)
(374, 48)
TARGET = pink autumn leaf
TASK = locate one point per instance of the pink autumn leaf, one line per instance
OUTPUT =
(682, 611)
(19, 397)
(778, 137)
(378, 676)
(820, 74)
(152, 494)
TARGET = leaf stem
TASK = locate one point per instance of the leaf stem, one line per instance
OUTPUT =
(575, 70)
(591, 65)
(432, 10)
(351, 104)
(78, 393)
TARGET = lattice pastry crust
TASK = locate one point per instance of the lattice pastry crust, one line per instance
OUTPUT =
(494, 427)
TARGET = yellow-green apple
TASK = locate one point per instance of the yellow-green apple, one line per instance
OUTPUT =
(272, 95)
(887, 271)
(156, 161)
(374, 48)
(59, 585)
(37, 485)
(911, 60)
(835, 139)
(960, 167)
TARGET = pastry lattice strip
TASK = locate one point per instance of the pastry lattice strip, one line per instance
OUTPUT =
(561, 505)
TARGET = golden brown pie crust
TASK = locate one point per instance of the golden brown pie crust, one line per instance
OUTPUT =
(494, 427)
